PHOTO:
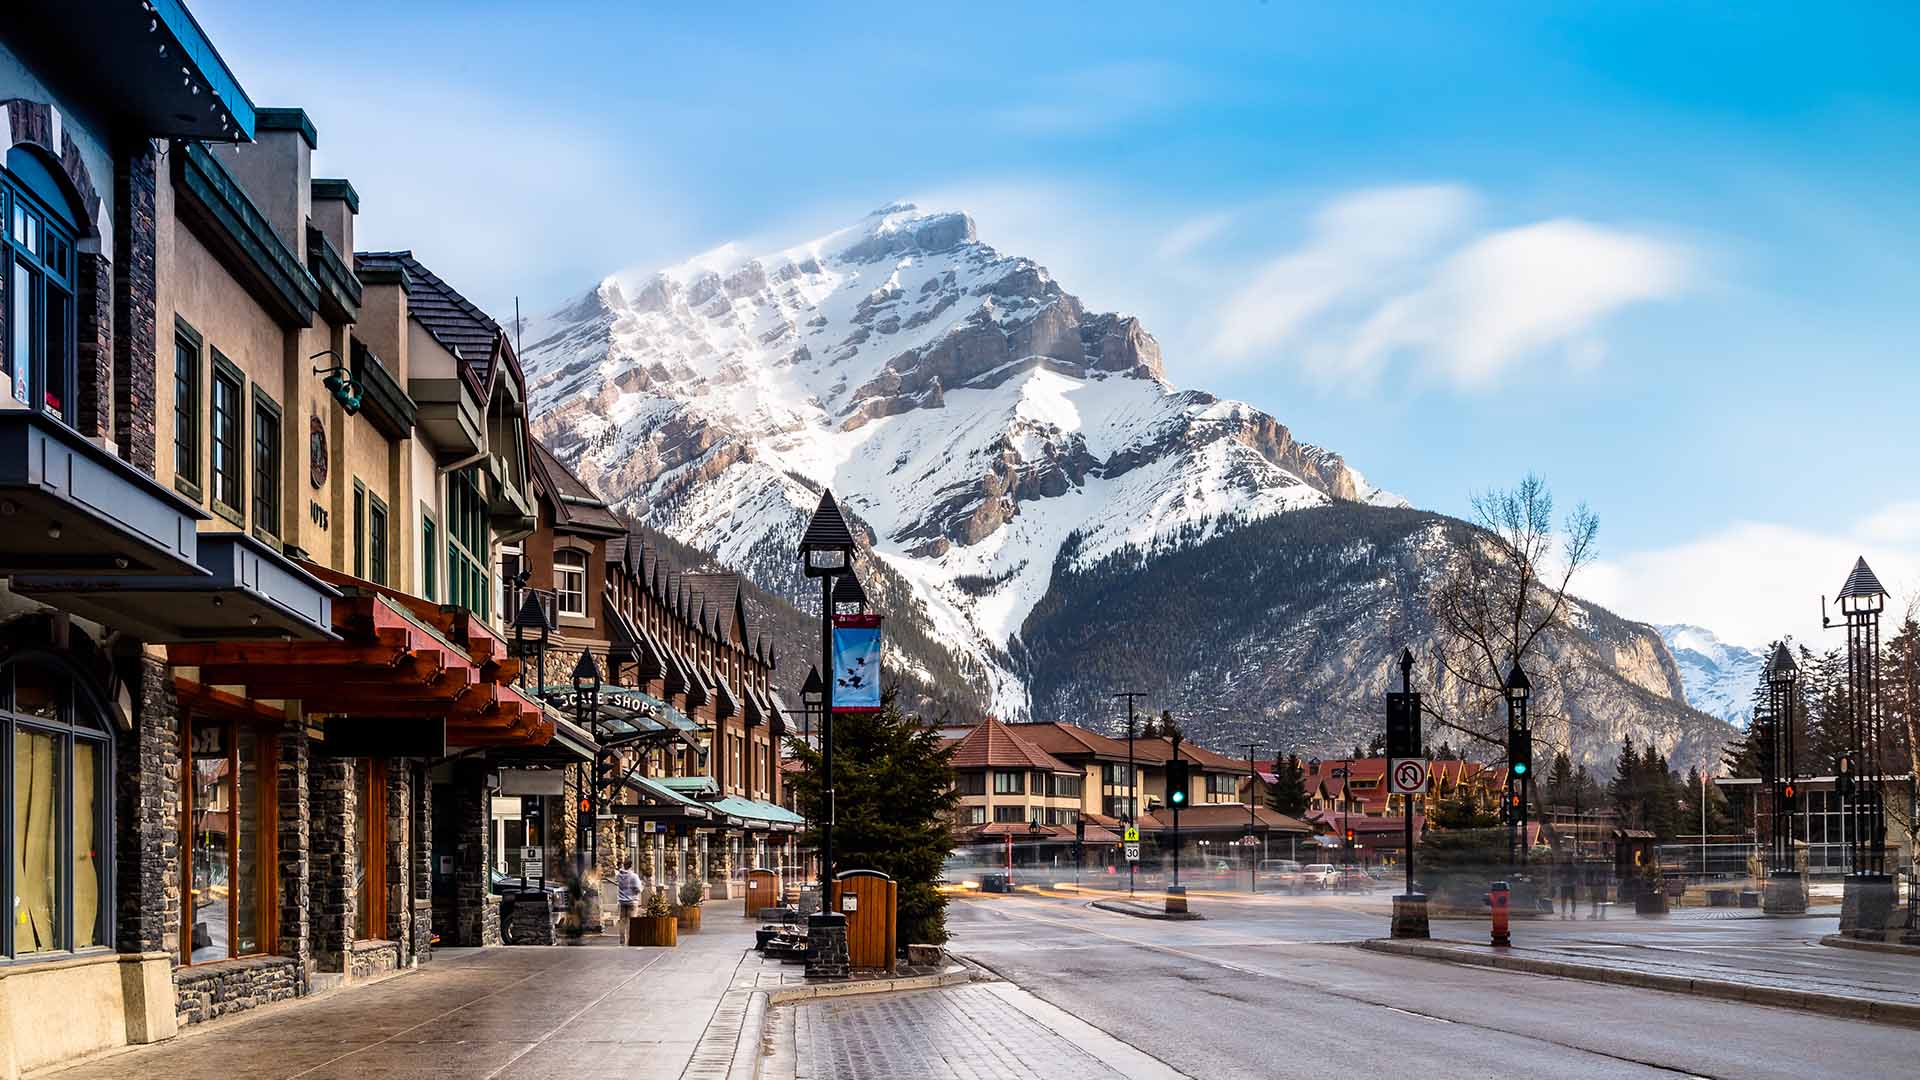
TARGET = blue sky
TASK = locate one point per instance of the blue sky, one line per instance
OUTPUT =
(1664, 255)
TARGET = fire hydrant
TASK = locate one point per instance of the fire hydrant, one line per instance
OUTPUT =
(1498, 897)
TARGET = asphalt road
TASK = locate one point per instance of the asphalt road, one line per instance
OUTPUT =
(1265, 988)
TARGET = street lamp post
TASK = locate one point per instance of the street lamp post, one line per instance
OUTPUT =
(1786, 891)
(826, 552)
(586, 709)
(1519, 758)
(1132, 785)
(811, 695)
(1868, 901)
(1253, 860)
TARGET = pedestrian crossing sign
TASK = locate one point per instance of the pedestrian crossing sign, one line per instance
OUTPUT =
(1132, 835)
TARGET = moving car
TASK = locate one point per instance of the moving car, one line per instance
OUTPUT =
(1320, 876)
(1284, 873)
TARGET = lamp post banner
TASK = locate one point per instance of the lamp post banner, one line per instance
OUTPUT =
(856, 663)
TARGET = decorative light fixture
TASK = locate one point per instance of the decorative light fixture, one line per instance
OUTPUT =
(340, 382)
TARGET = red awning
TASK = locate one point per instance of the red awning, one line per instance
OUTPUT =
(399, 656)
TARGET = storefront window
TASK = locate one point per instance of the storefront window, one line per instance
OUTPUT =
(57, 777)
(229, 811)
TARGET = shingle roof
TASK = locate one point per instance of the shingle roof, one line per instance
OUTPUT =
(575, 506)
(994, 745)
(1229, 816)
(1862, 582)
(1061, 738)
(453, 320)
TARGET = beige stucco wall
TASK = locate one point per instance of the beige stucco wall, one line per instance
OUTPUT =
(427, 498)
(276, 171)
(193, 285)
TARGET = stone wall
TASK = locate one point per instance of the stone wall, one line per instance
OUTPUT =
(135, 256)
(94, 318)
(206, 991)
(331, 899)
(467, 914)
(421, 905)
(147, 779)
(294, 825)
(372, 958)
(399, 810)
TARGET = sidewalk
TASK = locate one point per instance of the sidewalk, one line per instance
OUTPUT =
(512, 1013)
(1801, 975)
(981, 1031)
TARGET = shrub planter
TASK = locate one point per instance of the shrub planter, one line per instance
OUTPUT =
(1650, 902)
(688, 918)
(657, 930)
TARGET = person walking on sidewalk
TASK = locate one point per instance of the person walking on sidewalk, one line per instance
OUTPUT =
(628, 887)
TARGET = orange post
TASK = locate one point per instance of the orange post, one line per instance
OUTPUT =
(1498, 897)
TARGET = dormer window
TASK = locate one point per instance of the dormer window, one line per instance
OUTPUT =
(570, 581)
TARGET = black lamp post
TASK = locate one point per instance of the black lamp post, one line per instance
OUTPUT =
(812, 693)
(531, 618)
(1786, 893)
(1861, 600)
(1519, 758)
(826, 552)
(1253, 781)
(586, 709)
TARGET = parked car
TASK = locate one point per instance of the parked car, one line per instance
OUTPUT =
(1320, 876)
(1284, 873)
(1353, 879)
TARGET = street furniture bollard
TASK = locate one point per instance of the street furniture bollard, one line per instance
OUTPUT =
(1498, 897)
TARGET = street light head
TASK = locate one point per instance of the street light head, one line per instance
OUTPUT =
(586, 673)
(1862, 594)
(826, 546)
(1518, 685)
(1781, 670)
(813, 691)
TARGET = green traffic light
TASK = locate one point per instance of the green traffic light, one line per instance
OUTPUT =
(1519, 768)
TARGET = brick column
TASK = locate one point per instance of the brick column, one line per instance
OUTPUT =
(94, 319)
(135, 253)
(295, 811)
(422, 899)
(147, 777)
(399, 811)
(331, 900)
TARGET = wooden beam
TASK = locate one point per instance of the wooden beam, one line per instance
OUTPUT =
(387, 647)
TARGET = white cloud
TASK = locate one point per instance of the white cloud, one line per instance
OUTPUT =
(1514, 292)
(1751, 582)
(1896, 523)
(1354, 245)
(1380, 279)
(1091, 99)
(1188, 236)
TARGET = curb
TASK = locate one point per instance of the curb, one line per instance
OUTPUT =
(1120, 907)
(1851, 1008)
(789, 995)
(1841, 941)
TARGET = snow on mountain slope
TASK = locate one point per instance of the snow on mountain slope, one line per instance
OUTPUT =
(968, 412)
(1719, 678)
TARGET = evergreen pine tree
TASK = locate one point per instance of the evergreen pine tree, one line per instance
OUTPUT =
(1559, 788)
(1289, 792)
(894, 796)
(1624, 791)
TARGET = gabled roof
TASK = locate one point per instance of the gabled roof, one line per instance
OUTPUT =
(1071, 740)
(994, 745)
(451, 319)
(725, 599)
(575, 507)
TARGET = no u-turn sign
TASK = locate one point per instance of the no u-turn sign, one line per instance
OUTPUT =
(1408, 776)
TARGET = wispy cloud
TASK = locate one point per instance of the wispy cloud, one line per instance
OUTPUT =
(1751, 581)
(1402, 274)
(1095, 98)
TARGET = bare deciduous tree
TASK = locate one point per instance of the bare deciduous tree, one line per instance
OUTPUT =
(1504, 588)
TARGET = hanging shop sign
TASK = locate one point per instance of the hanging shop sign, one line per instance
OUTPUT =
(856, 663)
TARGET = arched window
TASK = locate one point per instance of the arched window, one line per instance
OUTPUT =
(59, 790)
(570, 581)
(37, 274)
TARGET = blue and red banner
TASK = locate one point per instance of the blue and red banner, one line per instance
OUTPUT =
(856, 663)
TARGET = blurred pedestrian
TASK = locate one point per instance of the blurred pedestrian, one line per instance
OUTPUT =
(1567, 877)
(628, 887)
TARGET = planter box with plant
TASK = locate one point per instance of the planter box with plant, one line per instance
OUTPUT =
(689, 913)
(655, 924)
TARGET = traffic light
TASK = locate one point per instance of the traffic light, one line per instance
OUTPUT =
(1520, 752)
(1178, 775)
(1349, 836)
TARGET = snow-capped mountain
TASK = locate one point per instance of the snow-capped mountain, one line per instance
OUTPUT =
(1043, 508)
(971, 414)
(1719, 678)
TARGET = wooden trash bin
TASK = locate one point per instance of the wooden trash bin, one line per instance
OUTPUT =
(763, 891)
(870, 901)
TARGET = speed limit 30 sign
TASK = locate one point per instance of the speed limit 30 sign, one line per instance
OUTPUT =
(1408, 776)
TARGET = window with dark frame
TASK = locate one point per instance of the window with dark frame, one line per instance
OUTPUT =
(376, 540)
(229, 806)
(37, 230)
(226, 419)
(59, 784)
(570, 581)
(266, 464)
(429, 550)
(186, 406)
(359, 530)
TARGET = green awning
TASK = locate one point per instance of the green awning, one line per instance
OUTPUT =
(759, 815)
